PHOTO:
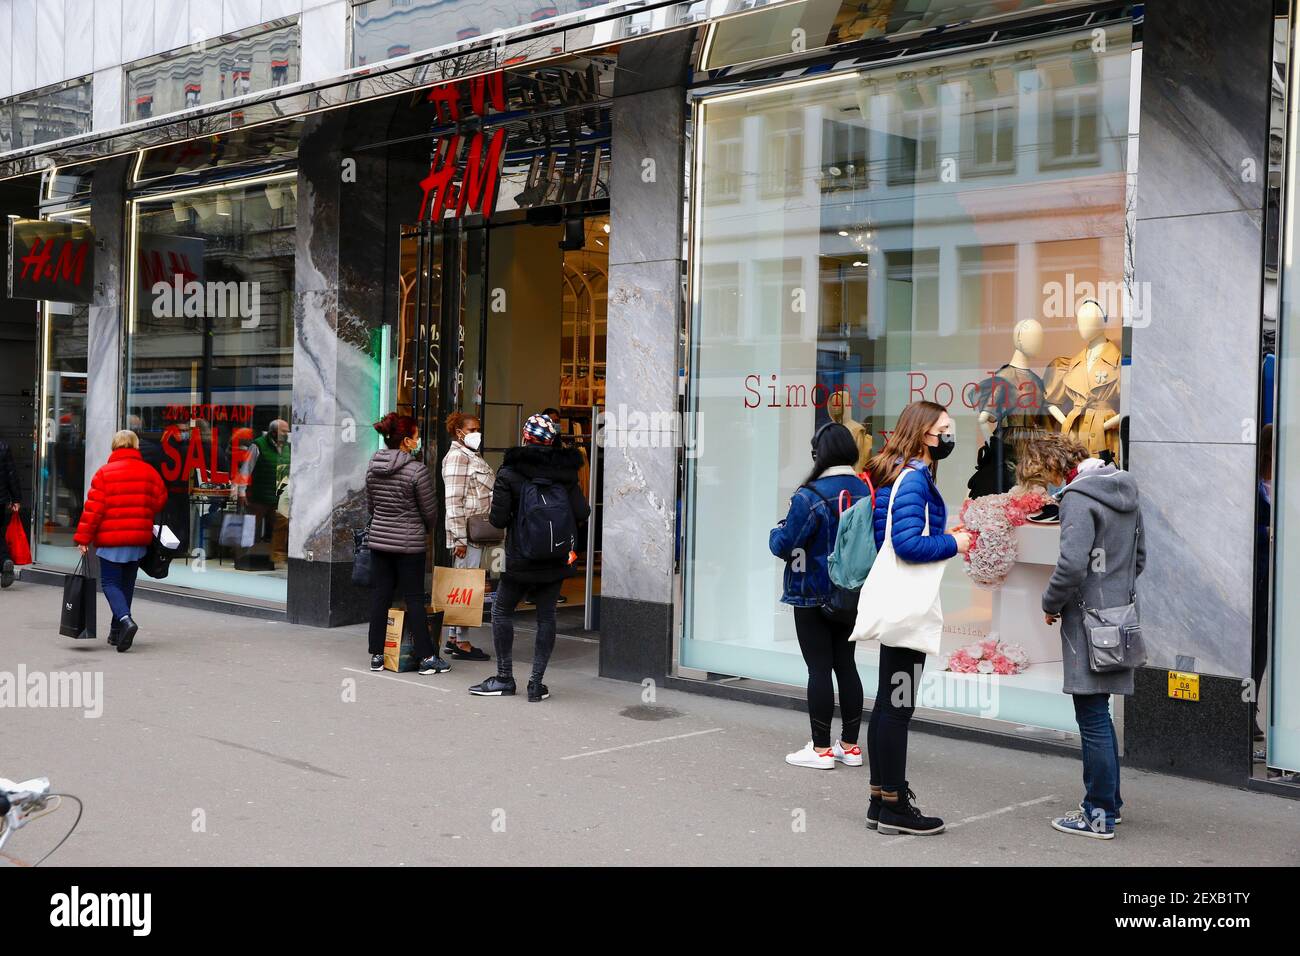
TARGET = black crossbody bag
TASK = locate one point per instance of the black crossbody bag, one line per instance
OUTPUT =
(1114, 634)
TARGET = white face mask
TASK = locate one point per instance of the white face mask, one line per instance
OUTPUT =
(473, 440)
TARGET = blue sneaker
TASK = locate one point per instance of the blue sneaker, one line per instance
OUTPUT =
(1075, 822)
(1118, 819)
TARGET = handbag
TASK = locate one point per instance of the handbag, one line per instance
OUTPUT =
(77, 616)
(158, 557)
(362, 567)
(1114, 634)
(481, 531)
(899, 603)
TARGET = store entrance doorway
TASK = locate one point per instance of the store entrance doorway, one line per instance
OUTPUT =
(503, 321)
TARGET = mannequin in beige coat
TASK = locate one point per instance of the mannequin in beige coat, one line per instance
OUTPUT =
(838, 406)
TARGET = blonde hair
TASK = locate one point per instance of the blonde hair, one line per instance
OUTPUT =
(125, 439)
(1047, 459)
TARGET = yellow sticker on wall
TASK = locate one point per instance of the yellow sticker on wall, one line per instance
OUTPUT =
(1184, 686)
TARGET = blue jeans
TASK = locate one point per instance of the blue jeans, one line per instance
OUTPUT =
(1100, 758)
(118, 582)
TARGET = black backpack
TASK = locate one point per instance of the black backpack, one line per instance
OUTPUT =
(544, 528)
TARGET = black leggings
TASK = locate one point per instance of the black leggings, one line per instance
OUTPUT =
(402, 574)
(826, 648)
(900, 677)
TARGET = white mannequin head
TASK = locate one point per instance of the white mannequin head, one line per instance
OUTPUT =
(1028, 338)
(1091, 319)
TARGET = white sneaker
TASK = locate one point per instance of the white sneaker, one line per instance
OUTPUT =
(811, 758)
(850, 756)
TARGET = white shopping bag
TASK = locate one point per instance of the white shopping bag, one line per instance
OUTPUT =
(238, 531)
(899, 602)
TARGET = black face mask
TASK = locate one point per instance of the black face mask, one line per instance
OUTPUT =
(942, 450)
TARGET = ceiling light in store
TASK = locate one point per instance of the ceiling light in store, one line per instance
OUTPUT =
(224, 206)
(274, 196)
(206, 210)
(293, 190)
(844, 233)
(859, 263)
(606, 228)
(180, 211)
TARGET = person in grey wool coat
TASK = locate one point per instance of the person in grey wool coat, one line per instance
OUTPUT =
(1102, 553)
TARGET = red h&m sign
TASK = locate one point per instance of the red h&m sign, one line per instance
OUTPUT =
(51, 260)
(465, 172)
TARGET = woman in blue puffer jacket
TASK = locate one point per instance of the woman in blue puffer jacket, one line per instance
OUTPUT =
(922, 438)
(804, 540)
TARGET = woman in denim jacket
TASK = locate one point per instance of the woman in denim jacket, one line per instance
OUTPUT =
(804, 540)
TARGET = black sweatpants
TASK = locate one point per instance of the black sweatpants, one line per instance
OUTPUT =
(900, 678)
(510, 591)
(394, 573)
(827, 650)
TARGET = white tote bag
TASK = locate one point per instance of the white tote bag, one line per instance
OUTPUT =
(899, 604)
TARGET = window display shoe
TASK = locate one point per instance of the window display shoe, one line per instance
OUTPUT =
(376, 662)
(902, 816)
(808, 757)
(850, 756)
(494, 687)
(124, 639)
(1051, 514)
(1075, 822)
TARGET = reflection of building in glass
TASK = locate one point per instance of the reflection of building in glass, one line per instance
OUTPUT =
(383, 29)
(881, 235)
(45, 115)
(219, 72)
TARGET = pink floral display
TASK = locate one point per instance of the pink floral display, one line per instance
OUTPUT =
(989, 656)
(992, 520)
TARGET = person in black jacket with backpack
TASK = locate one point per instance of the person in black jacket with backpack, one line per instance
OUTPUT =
(537, 499)
(11, 499)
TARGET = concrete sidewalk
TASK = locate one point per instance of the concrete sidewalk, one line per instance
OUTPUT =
(227, 741)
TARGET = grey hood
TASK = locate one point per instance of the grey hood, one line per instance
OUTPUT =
(387, 461)
(1109, 486)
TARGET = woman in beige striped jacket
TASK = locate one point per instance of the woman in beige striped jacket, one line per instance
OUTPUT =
(467, 480)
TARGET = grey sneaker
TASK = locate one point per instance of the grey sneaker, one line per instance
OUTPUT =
(433, 665)
(494, 687)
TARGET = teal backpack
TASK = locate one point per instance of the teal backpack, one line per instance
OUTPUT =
(855, 545)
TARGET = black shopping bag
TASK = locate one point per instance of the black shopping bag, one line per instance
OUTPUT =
(157, 560)
(77, 619)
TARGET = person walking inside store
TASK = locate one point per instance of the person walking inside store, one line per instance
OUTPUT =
(1101, 518)
(125, 496)
(911, 513)
(263, 474)
(403, 513)
(11, 500)
(805, 539)
(537, 500)
(467, 493)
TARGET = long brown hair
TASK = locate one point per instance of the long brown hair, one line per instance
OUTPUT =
(905, 442)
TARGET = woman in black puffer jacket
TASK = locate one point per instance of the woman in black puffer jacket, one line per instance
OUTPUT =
(403, 511)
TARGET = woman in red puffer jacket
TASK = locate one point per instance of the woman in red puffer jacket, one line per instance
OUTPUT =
(125, 495)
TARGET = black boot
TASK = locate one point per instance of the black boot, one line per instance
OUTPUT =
(129, 627)
(899, 815)
(873, 808)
